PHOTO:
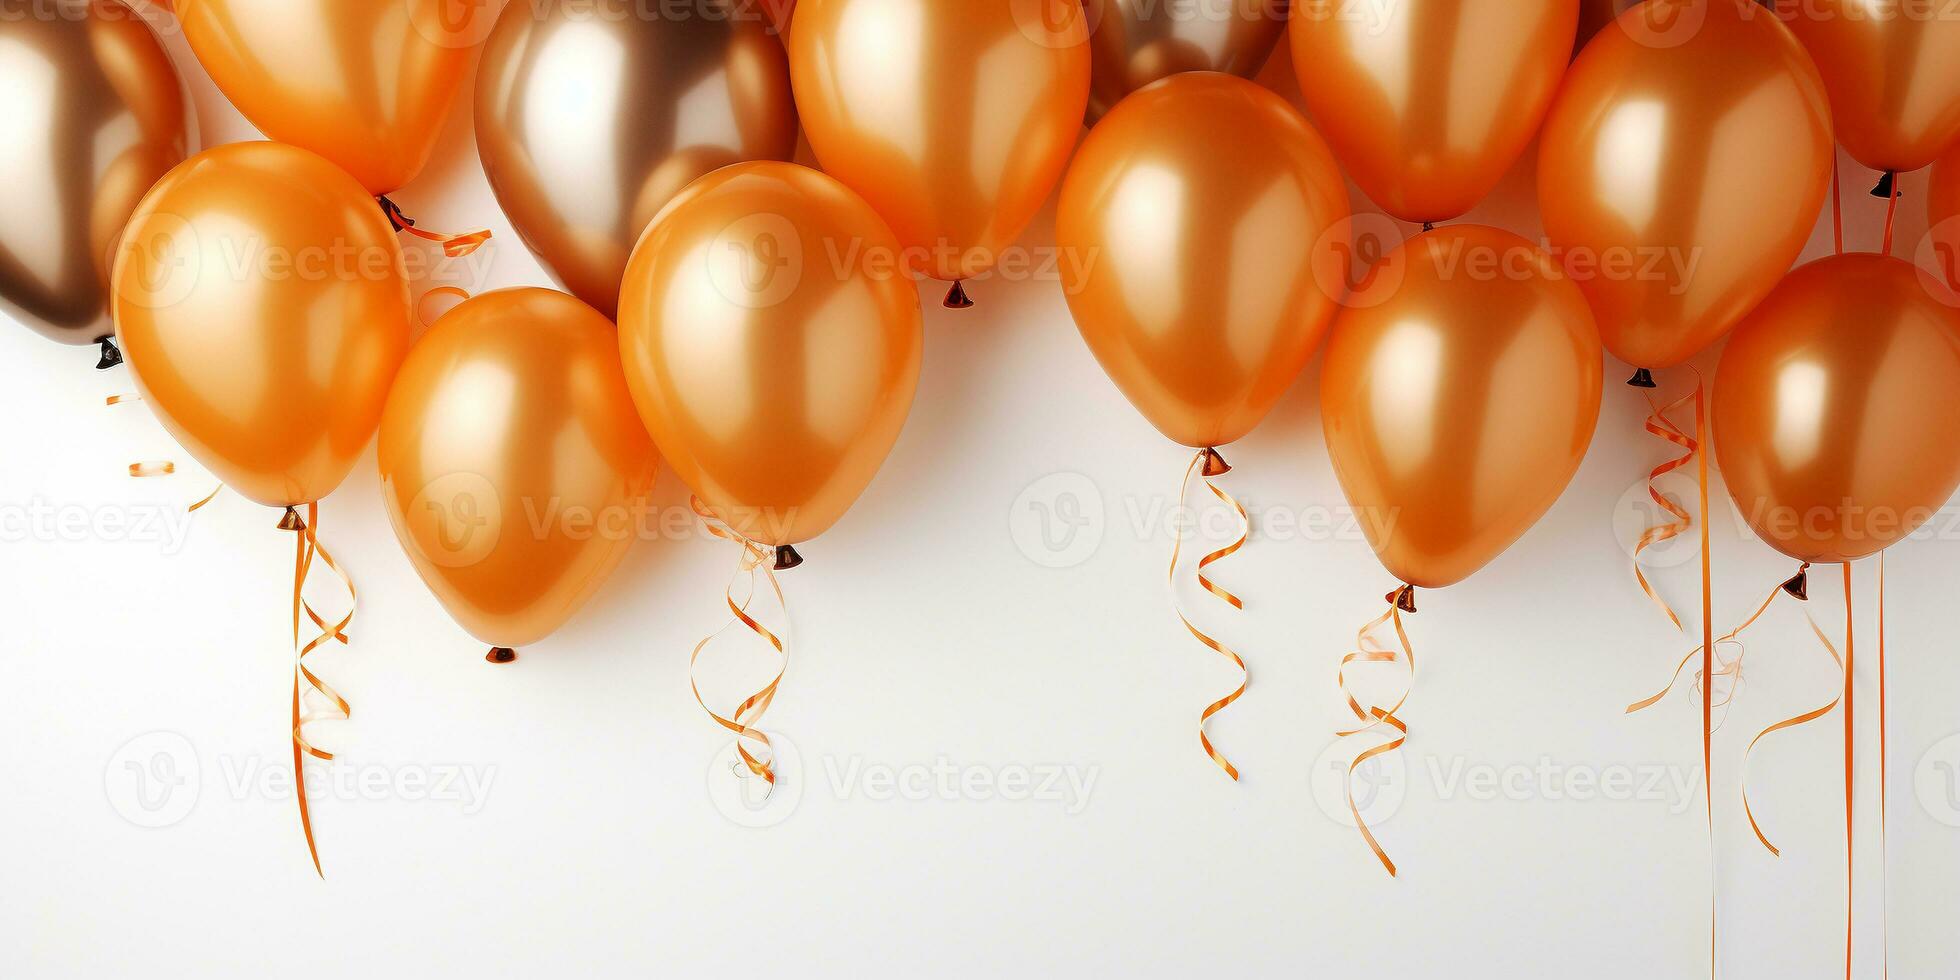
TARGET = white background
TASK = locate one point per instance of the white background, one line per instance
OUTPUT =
(144, 669)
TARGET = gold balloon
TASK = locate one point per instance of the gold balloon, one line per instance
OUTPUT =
(1892, 68)
(659, 101)
(260, 301)
(514, 469)
(1189, 225)
(91, 114)
(1428, 102)
(364, 83)
(1835, 407)
(1655, 172)
(772, 341)
(1459, 406)
(1136, 42)
(954, 119)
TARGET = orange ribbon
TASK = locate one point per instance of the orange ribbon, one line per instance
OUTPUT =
(144, 468)
(454, 246)
(1850, 753)
(1792, 722)
(742, 721)
(1370, 651)
(1660, 425)
(307, 549)
(1212, 463)
(1885, 865)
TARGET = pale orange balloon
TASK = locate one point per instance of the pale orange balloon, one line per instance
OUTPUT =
(1655, 172)
(259, 300)
(1835, 407)
(772, 342)
(364, 83)
(954, 119)
(1459, 405)
(1428, 102)
(513, 466)
(1189, 225)
(1892, 68)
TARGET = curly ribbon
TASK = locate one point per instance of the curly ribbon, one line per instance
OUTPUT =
(1213, 465)
(422, 305)
(141, 469)
(745, 716)
(454, 246)
(1788, 723)
(307, 549)
(1660, 425)
(1370, 651)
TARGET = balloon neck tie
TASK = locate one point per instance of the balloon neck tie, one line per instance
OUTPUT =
(786, 558)
(956, 298)
(1888, 186)
(1429, 226)
(1642, 378)
(757, 756)
(1679, 520)
(307, 686)
(111, 354)
(1798, 585)
(501, 655)
(1206, 465)
(1374, 718)
(454, 246)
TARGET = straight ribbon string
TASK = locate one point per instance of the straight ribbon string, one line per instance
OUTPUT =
(745, 716)
(1884, 862)
(307, 549)
(1707, 660)
(1368, 650)
(1213, 465)
(1850, 758)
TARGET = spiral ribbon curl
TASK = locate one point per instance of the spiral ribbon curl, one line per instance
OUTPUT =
(1658, 424)
(1212, 465)
(307, 549)
(743, 719)
(1368, 650)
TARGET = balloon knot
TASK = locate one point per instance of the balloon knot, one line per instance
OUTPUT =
(291, 521)
(111, 356)
(1799, 584)
(1403, 598)
(1887, 187)
(501, 655)
(787, 558)
(956, 298)
(1642, 378)
(1215, 464)
(396, 219)
(1429, 226)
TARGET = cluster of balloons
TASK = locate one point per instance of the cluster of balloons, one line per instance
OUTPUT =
(768, 333)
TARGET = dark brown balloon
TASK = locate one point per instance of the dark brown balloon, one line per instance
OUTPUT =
(1136, 42)
(91, 114)
(591, 116)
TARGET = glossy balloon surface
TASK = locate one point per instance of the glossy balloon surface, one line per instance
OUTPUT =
(1458, 407)
(513, 467)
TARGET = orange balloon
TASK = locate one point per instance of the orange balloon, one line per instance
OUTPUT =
(954, 119)
(364, 83)
(260, 303)
(1652, 174)
(1428, 102)
(1189, 224)
(1835, 405)
(1459, 406)
(514, 469)
(772, 341)
(1893, 71)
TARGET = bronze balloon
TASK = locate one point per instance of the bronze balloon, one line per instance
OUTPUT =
(1892, 68)
(91, 115)
(1135, 42)
(1836, 404)
(589, 121)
